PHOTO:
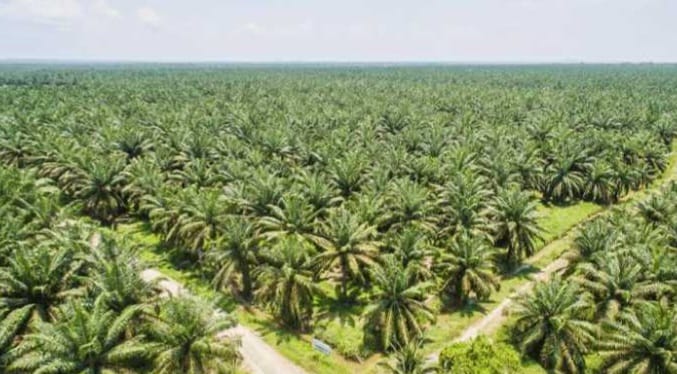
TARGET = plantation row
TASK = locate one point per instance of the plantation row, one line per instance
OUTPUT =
(68, 305)
(616, 306)
(386, 193)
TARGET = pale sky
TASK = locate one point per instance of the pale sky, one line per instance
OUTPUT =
(340, 30)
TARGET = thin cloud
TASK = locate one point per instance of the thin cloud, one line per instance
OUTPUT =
(54, 12)
(149, 16)
(103, 8)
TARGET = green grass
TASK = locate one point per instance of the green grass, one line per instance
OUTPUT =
(558, 220)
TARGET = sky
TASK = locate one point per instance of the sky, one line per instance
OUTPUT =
(340, 30)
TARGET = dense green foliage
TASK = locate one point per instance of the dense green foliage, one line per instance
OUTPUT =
(618, 300)
(386, 192)
(73, 303)
(480, 356)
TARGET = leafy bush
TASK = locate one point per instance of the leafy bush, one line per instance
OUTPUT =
(480, 356)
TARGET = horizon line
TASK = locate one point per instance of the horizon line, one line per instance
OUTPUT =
(330, 62)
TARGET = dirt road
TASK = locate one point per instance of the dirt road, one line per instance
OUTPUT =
(258, 356)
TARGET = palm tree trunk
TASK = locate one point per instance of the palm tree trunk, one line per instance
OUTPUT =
(246, 283)
(344, 280)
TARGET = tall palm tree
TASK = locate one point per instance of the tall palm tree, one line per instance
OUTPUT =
(287, 282)
(81, 341)
(235, 254)
(185, 339)
(551, 326)
(398, 310)
(468, 267)
(348, 246)
(516, 223)
(641, 340)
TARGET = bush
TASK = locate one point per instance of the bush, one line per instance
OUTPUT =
(480, 356)
(346, 339)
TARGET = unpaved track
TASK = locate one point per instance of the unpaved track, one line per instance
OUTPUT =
(498, 315)
(257, 355)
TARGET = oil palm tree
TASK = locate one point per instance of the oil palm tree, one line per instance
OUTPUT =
(408, 204)
(185, 339)
(201, 219)
(36, 281)
(294, 217)
(98, 187)
(413, 249)
(597, 185)
(552, 326)
(114, 274)
(641, 340)
(347, 246)
(468, 267)
(235, 254)
(287, 278)
(464, 202)
(81, 341)
(516, 225)
(656, 209)
(615, 281)
(397, 312)
(409, 359)
(563, 178)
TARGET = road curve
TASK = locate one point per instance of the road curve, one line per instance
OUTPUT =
(258, 357)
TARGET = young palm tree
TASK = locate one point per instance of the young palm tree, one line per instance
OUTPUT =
(516, 223)
(552, 328)
(81, 341)
(185, 339)
(235, 254)
(287, 282)
(348, 246)
(642, 340)
(409, 359)
(468, 267)
(398, 310)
